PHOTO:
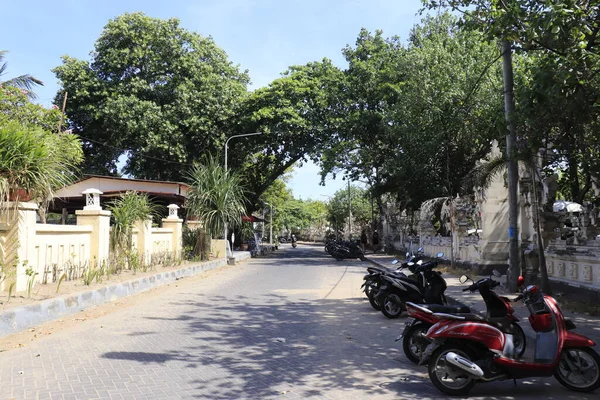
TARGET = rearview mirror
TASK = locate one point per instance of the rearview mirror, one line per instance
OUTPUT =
(420, 250)
(420, 262)
(496, 273)
(440, 255)
(407, 254)
(463, 279)
(410, 264)
(394, 262)
(520, 281)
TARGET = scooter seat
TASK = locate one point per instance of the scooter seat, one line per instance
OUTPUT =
(438, 308)
(504, 324)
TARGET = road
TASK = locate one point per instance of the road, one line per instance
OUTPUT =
(290, 325)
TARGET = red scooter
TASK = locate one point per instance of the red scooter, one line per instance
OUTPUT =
(500, 314)
(468, 349)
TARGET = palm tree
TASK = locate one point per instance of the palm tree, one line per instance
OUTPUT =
(24, 82)
(128, 209)
(34, 162)
(216, 197)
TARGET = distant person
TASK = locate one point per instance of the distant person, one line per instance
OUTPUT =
(375, 241)
(363, 240)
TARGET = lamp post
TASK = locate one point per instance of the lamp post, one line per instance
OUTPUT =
(270, 224)
(227, 248)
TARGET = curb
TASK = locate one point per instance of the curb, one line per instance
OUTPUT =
(18, 319)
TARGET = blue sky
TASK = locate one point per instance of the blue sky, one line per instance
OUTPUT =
(262, 36)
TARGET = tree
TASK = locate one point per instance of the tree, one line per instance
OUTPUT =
(153, 91)
(418, 115)
(127, 210)
(23, 82)
(34, 162)
(216, 197)
(359, 205)
(296, 116)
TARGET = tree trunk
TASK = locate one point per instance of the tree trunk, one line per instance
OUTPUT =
(546, 288)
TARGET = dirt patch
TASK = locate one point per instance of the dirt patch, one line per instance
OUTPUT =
(47, 291)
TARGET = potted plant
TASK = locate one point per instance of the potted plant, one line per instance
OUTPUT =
(247, 234)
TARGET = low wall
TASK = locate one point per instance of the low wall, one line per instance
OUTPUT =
(58, 246)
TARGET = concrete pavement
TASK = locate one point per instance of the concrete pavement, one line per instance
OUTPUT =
(291, 325)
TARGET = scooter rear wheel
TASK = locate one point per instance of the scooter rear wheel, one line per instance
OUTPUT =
(586, 363)
(392, 306)
(446, 377)
(374, 303)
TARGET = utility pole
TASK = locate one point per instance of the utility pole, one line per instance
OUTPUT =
(349, 211)
(62, 116)
(514, 269)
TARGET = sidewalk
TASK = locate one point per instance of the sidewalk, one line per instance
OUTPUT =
(586, 325)
(19, 318)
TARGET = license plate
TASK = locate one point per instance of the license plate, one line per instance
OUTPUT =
(409, 322)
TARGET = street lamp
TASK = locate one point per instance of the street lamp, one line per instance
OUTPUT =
(227, 248)
(270, 224)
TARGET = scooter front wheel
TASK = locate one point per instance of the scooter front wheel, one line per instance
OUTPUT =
(519, 339)
(579, 369)
(414, 342)
(446, 377)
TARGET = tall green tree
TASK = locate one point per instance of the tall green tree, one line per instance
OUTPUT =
(356, 200)
(297, 119)
(152, 91)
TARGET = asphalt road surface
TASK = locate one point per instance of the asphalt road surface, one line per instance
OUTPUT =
(290, 325)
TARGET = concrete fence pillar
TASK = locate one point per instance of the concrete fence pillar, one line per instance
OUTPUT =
(17, 243)
(144, 239)
(99, 221)
(176, 224)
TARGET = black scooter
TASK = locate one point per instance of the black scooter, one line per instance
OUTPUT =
(424, 286)
(373, 280)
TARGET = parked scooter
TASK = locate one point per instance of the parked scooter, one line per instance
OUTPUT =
(466, 349)
(373, 280)
(348, 250)
(423, 316)
(425, 286)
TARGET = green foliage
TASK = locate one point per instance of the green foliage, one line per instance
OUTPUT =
(89, 275)
(130, 208)
(30, 273)
(294, 113)
(215, 196)
(23, 82)
(196, 244)
(418, 115)
(556, 76)
(62, 278)
(34, 160)
(129, 96)
(360, 206)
